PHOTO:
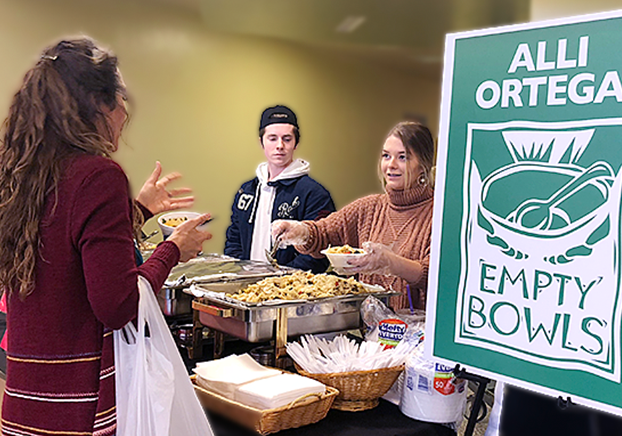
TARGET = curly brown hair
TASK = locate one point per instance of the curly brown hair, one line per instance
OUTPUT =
(56, 113)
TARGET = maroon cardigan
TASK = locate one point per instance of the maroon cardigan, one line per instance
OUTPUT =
(85, 281)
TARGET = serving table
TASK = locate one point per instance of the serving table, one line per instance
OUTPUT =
(205, 281)
(384, 420)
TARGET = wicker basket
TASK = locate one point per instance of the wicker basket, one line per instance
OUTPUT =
(305, 410)
(358, 390)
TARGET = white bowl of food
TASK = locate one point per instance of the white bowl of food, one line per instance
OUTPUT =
(169, 221)
(339, 257)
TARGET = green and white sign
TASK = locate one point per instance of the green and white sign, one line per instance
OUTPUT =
(525, 274)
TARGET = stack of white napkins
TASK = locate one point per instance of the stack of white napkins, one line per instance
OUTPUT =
(242, 379)
(277, 391)
(224, 376)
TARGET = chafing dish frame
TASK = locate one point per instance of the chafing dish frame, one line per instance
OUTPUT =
(280, 319)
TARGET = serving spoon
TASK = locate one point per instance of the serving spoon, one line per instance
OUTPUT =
(271, 253)
(535, 213)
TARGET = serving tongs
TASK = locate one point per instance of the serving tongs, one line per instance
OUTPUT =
(270, 254)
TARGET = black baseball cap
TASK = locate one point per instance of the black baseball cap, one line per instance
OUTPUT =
(278, 115)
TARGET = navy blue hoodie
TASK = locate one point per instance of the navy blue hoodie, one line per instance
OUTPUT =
(299, 198)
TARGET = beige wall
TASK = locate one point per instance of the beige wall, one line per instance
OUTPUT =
(197, 96)
(549, 9)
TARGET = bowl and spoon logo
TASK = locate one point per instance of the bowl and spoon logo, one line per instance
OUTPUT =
(545, 195)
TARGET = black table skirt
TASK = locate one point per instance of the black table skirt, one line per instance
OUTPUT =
(529, 413)
(384, 420)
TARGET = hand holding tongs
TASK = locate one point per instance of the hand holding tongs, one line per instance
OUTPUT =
(270, 254)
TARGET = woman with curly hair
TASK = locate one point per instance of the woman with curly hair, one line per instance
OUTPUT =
(67, 261)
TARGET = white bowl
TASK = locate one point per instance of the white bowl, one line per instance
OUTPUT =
(340, 260)
(168, 229)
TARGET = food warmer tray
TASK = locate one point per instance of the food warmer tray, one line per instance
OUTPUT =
(255, 322)
(206, 268)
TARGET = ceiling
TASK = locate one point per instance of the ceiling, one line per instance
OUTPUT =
(404, 33)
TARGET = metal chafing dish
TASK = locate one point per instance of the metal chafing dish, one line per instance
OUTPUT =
(278, 319)
(203, 284)
(256, 322)
(206, 268)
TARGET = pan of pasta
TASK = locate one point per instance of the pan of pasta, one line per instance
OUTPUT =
(314, 303)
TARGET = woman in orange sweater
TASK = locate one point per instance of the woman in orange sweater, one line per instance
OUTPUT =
(394, 228)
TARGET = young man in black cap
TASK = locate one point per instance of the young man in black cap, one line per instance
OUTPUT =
(281, 190)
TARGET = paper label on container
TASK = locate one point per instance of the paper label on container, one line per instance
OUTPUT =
(423, 384)
(443, 376)
(417, 381)
(391, 332)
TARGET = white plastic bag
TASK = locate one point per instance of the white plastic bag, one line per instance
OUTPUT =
(153, 390)
(389, 328)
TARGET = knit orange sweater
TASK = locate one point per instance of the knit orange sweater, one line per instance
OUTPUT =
(399, 219)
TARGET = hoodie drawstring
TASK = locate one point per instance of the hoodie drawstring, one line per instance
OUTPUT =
(257, 191)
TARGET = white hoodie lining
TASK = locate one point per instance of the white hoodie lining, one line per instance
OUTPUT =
(264, 204)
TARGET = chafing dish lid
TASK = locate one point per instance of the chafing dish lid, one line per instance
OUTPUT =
(208, 268)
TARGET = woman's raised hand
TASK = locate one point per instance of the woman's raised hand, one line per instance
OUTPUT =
(290, 232)
(189, 239)
(155, 197)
